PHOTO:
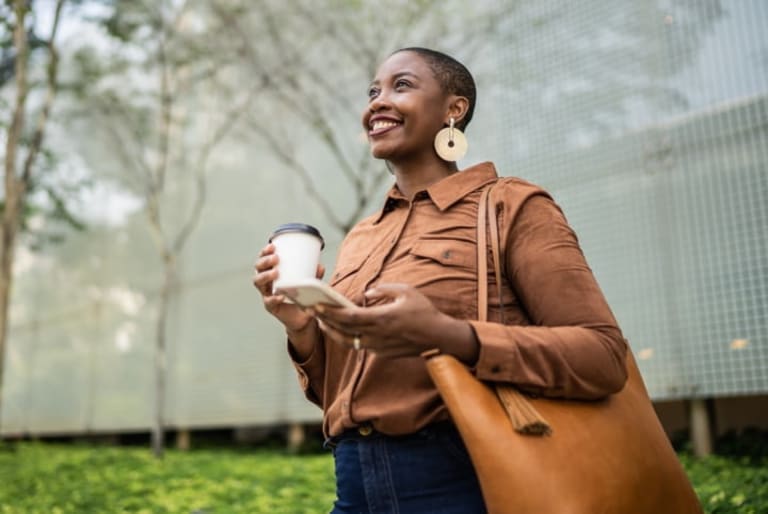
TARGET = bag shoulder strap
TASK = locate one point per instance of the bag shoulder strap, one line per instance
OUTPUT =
(482, 259)
(524, 417)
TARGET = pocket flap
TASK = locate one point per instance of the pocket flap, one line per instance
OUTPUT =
(448, 252)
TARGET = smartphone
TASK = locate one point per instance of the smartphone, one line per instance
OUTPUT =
(312, 291)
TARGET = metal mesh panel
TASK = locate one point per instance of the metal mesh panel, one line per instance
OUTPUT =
(646, 120)
(648, 123)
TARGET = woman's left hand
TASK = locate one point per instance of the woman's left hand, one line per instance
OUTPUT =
(406, 324)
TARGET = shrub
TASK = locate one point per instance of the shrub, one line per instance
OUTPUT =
(727, 485)
(59, 479)
(68, 479)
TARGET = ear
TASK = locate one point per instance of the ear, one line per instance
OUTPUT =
(457, 109)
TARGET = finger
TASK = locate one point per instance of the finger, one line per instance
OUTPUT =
(321, 313)
(390, 291)
(266, 262)
(263, 281)
(320, 271)
(267, 250)
(354, 320)
(330, 331)
(336, 335)
(352, 328)
(264, 277)
(273, 302)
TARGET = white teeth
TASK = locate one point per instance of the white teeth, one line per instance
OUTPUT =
(381, 124)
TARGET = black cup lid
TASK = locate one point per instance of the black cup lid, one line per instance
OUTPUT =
(297, 227)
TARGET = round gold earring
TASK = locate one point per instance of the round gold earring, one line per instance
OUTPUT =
(450, 143)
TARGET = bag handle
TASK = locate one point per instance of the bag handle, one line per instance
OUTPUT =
(524, 417)
(482, 260)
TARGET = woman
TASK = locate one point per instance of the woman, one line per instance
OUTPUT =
(411, 267)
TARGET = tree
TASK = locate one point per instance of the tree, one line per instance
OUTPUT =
(20, 174)
(163, 99)
(313, 63)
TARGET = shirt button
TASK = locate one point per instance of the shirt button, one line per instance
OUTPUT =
(496, 369)
(365, 430)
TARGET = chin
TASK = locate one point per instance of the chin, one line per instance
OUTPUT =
(381, 153)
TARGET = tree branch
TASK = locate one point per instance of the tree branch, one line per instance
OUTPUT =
(302, 172)
(108, 106)
(306, 110)
(51, 89)
(166, 107)
(17, 120)
(201, 186)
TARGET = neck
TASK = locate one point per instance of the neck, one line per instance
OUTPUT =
(417, 175)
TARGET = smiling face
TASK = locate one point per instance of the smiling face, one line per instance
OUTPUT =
(406, 108)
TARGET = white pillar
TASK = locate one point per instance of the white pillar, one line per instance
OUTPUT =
(183, 439)
(701, 428)
(296, 437)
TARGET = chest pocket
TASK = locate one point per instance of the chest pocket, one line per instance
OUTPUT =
(346, 268)
(447, 252)
(446, 274)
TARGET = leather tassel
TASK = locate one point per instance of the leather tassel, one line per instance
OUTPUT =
(525, 418)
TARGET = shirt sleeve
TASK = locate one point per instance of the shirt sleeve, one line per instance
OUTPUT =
(311, 372)
(573, 347)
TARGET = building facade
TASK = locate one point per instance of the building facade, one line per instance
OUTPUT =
(647, 121)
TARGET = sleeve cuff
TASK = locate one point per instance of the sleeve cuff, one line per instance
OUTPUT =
(310, 370)
(498, 356)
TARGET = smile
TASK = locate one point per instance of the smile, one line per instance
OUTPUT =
(380, 126)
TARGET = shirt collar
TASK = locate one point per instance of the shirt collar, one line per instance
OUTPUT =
(449, 190)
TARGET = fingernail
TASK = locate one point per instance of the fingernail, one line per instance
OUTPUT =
(320, 308)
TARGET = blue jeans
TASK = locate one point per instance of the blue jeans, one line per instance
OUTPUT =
(428, 472)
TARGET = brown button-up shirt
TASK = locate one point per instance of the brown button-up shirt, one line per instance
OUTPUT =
(559, 337)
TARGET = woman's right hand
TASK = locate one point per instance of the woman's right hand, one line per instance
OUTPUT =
(265, 273)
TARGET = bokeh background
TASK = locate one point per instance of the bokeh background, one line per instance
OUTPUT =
(184, 131)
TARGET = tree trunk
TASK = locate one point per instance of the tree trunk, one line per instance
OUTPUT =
(14, 191)
(9, 229)
(16, 184)
(166, 292)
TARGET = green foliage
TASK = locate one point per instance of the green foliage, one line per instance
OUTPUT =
(53, 478)
(729, 485)
(47, 478)
(47, 197)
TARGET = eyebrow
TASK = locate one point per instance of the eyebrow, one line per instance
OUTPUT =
(396, 76)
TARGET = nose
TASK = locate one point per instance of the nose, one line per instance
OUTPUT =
(380, 102)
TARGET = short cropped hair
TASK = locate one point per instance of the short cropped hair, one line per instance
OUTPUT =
(453, 77)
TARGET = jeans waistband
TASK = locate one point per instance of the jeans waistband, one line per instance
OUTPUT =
(366, 432)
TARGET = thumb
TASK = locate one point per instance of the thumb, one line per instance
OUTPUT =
(390, 291)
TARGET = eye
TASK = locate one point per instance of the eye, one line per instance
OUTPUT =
(401, 83)
(373, 92)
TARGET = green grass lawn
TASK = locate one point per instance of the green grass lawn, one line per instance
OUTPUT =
(58, 479)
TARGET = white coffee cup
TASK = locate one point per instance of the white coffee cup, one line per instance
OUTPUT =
(298, 247)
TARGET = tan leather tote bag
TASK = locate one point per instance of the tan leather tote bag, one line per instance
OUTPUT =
(545, 456)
